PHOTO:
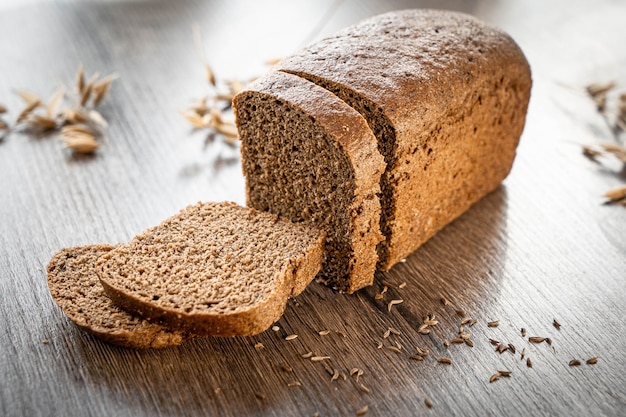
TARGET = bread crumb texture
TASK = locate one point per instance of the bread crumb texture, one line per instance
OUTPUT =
(213, 269)
(75, 287)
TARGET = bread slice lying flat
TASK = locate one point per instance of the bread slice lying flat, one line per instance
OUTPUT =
(446, 96)
(214, 269)
(75, 287)
(309, 156)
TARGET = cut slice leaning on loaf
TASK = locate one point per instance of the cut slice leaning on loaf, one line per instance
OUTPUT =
(214, 269)
(308, 156)
(446, 96)
(75, 287)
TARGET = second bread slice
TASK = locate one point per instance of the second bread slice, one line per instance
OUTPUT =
(214, 269)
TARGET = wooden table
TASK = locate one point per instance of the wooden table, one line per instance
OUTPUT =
(542, 247)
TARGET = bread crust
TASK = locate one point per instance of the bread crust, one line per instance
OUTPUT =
(452, 93)
(352, 137)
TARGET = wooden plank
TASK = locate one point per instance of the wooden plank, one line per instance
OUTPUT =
(541, 247)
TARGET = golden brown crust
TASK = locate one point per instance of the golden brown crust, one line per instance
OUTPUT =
(350, 132)
(452, 95)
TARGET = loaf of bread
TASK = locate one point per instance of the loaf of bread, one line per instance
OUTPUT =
(309, 156)
(75, 287)
(213, 269)
(445, 96)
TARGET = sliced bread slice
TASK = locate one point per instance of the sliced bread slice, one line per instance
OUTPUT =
(213, 269)
(308, 156)
(75, 287)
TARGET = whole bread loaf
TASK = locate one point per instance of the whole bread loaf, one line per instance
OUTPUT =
(309, 156)
(74, 286)
(213, 269)
(446, 96)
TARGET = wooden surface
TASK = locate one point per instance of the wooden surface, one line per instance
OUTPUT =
(541, 247)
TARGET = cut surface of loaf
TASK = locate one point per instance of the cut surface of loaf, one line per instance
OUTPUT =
(213, 269)
(308, 156)
(446, 96)
(75, 287)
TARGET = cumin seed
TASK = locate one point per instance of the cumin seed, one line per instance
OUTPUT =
(494, 377)
(529, 363)
(393, 303)
(505, 374)
(291, 337)
(523, 332)
(361, 411)
(469, 343)
(511, 347)
(402, 285)
(457, 340)
(416, 357)
(394, 349)
(319, 358)
(445, 360)
(364, 388)
(536, 339)
(494, 323)
(428, 403)
(592, 361)
(294, 384)
(324, 332)
(259, 346)
(556, 324)
(307, 355)
(574, 362)
(259, 395)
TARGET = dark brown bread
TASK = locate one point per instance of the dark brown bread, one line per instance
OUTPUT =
(214, 269)
(309, 156)
(446, 96)
(75, 287)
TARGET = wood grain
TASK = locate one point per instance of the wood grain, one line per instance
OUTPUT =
(542, 247)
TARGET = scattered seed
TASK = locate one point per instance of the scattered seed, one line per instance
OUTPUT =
(536, 339)
(378, 297)
(80, 143)
(319, 358)
(307, 355)
(599, 88)
(465, 321)
(549, 341)
(385, 288)
(460, 312)
(505, 374)
(472, 322)
(335, 375)
(529, 363)
(27, 111)
(428, 403)
(464, 335)
(259, 346)
(446, 344)
(469, 343)
(324, 332)
(361, 411)
(402, 285)
(386, 334)
(523, 332)
(574, 362)
(422, 352)
(275, 328)
(294, 384)
(556, 324)
(494, 323)
(430, 322)
(380, 345)
(494, 341)
(46, 341)
(592, 361)
(291, 337)
(29, 97)
(457, 340)
(364, 388)
(523, 353)
(259, 395)
(424, 331)
(511, 347)
(416, 357)
(616, 194)
(287, 368)
(393, 303)
(394, 349)
(494, 377)
(444, 301)
(445, 360)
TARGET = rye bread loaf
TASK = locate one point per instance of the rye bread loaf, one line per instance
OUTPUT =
(213, 269)
(308, 156)
(75, 287)
(446, 96)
